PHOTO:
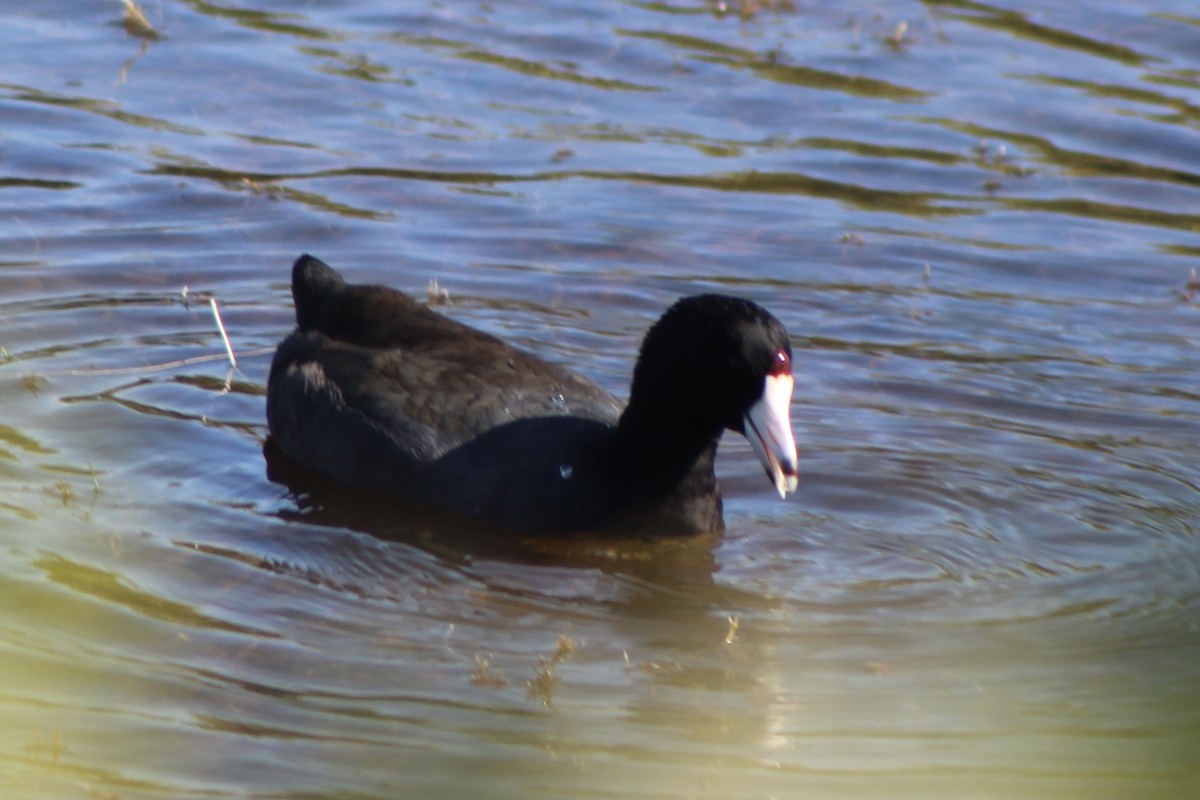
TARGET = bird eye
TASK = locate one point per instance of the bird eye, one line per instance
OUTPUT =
(783, 363)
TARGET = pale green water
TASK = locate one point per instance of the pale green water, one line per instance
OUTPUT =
(982, 235)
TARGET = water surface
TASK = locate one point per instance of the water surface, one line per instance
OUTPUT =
(978, 221)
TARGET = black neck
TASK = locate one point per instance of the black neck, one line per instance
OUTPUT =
(662, 470)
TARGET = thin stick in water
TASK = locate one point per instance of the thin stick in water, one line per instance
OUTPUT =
(212, 303)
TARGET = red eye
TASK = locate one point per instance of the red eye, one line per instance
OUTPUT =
(782, 364)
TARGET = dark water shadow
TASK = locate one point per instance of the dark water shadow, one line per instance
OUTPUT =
(655, 600)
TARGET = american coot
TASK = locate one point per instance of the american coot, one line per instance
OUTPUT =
(380, 392)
